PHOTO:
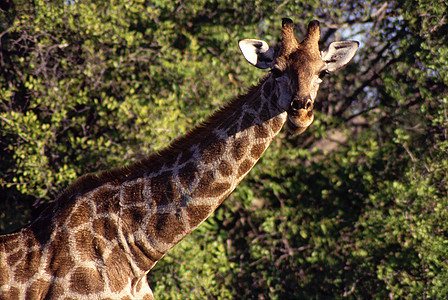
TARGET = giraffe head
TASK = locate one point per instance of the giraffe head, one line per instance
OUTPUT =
(298, 69)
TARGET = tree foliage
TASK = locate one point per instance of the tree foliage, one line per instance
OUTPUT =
(356, 207)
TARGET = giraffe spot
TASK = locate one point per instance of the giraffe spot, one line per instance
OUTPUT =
(56, 291)
(86, 281)
(38, 289)
(187, 174)
(107, 200)
(143, 259)
(239, 148)
(28, 266)
(208, 188)
(165, 227)
(162, 190)
(257, 150)
(12, 293)
(225, 168)
(232, 130)
(80, 216)
(15, 257)
(138, 285)
(148, 297)
(126, 298)
(205, 143)
(276, 124)
(261, 131)
(60, 262)
(10, 242)
(133, 217)
(267, 89)
(132, 192)
(105, 227)
(185, 156)
(148, 251)
(4, 274)
(197, 214)
(213, 151)
(88, 246)
(244, 167)
(118, 270)
(248, 120)
(265, 113)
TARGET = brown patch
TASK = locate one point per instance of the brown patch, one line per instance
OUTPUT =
(185, 156)
(148, 251)
(148, 297)
(213, 151)
(197, 214)
(163, 190)
(217, 189)
(225, 168)
(187, 175)
(15, 257)
(118, 270)
(232, 130)
(81, 215)
(267, 89)
(126, 298)
(60, 262)
(257, 150)
(88, 246)
(265, 113)
(276, 124)
(165, 227)
(132, 193)
(56, 291)
(133, 217)
(244, 167)
(138, 287)
(144, 262)
(12, 293)
(248, 120)
(86, 281)
(28, 266)
(10, 242)
(106, 228)
(4, 274)
(107, 200)
(205, 181)
(261, 131)
(208, 188)
(38, 289)
(239, 148)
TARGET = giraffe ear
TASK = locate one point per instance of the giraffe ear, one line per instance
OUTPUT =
(339, 54)
(257, 53)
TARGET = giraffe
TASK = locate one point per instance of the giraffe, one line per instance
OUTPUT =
(106, 231)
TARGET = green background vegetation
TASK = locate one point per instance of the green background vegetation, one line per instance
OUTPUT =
(354, 208)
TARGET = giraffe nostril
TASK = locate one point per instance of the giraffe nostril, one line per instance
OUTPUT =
(295, 105)
(309, 105)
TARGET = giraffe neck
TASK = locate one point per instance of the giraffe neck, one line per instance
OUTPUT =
(108, 230)
(197, 179)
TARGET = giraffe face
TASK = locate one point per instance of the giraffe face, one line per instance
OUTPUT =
(297, 69)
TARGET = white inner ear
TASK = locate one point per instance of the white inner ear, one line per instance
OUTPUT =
(257, 52)
(339, 54)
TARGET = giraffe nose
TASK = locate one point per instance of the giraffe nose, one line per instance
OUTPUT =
(300, 103)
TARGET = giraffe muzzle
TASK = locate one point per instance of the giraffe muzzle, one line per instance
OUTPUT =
(300, 115)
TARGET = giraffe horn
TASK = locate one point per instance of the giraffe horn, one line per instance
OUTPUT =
(313, 36)
(289, 43)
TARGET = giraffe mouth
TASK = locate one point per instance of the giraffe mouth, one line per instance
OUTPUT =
(299, 121)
